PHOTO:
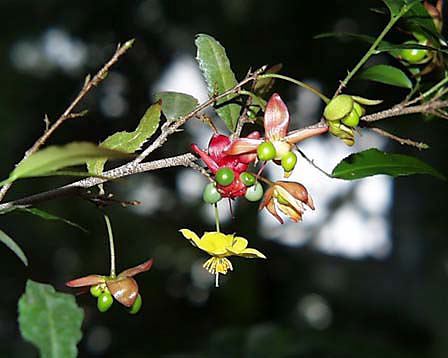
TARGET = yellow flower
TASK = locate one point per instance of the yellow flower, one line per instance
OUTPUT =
(220, 246)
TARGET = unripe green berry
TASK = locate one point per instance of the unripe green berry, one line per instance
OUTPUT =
(254, 193)
(104, 302)
(136, 305)
(251, 114)
(96, 290)
(211, 195)
(266, 151)
(352, 119)
(338, 107)
(248, 179)
(413, 55)
(224, 176)
(289, 161)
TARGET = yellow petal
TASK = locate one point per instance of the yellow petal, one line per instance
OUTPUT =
(190, 235)
(252, 253)
(215, 243)
(238, 245)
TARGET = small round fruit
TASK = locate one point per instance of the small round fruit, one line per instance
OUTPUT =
(224, 176)
(251, 114)
(96, 290)
(248, 179)
(266, 151)
(104, 302)
(289, 161)
(338, 107)
(254, 193)
(210, 194)
(413, 55)
(136, 305)
(352, 120)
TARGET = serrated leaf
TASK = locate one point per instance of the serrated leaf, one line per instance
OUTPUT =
(373, 162)
(12, 245)
(55, 157)
(386, 74)
(50, 320)
(47, 216)
(176, 105)
(215, 67)
(129, 142)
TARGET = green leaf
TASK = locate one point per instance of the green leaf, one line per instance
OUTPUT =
(395, 47)
(215, 67)
(50, 320)
(388, 75)
(11, 244)
(129, 142)
(47, 216)
(55, 157)
(395, 6)
(346, 35)
(176, 105)
(373, 162)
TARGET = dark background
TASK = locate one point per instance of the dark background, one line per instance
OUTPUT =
(394, 307)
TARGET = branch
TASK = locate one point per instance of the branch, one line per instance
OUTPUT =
(128, 169)
(399, 110)
(89, 83)
(402, 141)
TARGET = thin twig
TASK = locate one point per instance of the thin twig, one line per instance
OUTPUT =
(403, 141)
(125, 170)
(311, 161)
(89, 83)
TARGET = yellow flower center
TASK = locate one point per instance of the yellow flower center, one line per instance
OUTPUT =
(218, 265)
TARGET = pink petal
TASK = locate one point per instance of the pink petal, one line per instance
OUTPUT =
(276, 118)
(243, 146)
(211, 164)
(132, 271)
(254, 135)
(302, 134)
(217, 146)
(90, 280)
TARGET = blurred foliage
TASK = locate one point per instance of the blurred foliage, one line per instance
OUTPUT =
(393, 307)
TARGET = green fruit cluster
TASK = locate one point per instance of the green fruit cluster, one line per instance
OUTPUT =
(343, 113)
(105, 299)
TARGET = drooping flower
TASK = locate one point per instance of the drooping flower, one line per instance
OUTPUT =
(220, 246)
(290, 198)
(215, 158)
(276, 126)
(122, 287)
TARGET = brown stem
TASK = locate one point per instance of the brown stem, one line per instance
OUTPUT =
(429, 107)
(403, 141)
(116, 173)
(89, 83)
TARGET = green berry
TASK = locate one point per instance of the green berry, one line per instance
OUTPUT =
(289, 161)
(338, 107)
(254, 193)
(224, 176)
(211, 194)
(104, 302)
(136, 305)
(266, 151)
(352, 119)
(96, 290)
(248, 179)
(413, 55)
